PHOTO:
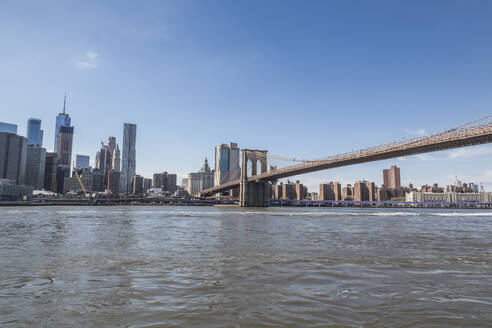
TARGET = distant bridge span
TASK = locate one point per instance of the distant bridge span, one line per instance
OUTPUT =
(470, 134)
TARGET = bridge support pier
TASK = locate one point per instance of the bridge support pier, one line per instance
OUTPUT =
(254, 193)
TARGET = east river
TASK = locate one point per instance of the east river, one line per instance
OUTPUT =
(232, 267)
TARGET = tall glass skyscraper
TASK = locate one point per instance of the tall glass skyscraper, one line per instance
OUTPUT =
(226, 163)
(63, 119)
(128, 161)
(34, 132)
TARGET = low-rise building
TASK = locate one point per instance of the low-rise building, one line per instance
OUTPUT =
(10, 191)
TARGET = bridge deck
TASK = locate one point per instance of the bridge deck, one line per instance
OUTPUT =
(453, 138)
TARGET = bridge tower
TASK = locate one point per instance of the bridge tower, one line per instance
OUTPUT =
(254, 193)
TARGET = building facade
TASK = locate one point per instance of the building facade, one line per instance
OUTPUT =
(63, 119)
(128, 161)
(330, 191)
(13, 153)
(82, 161)
(391, 177)
(65, 139)
(227, 161)
(8, 128)
(35, 167)
(200, 180)
(51, 164)
(34, 132)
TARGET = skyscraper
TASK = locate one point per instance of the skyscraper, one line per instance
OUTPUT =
(65, 139)
(128, 162)
(35, 166)
(63, 119)
(13, 151)
(34, 132)
(7, 127)
(391, 177)
(50, 171)
(116, 159)
(82, 161)
(226, 163)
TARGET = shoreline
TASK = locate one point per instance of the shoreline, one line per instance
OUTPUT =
(232, 203)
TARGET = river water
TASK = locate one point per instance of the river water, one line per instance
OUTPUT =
(232, 267)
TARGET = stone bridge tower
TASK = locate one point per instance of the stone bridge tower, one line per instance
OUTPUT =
(254, 193)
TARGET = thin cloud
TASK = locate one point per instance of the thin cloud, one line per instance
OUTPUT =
(419, 132)
(469, 152)
(89, 61)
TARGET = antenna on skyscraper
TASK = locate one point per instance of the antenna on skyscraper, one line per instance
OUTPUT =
(64, 102)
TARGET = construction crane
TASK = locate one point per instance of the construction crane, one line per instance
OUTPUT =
(79, 180)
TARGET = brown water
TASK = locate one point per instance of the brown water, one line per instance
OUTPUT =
(228, 267)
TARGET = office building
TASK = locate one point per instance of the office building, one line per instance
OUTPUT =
(116, 159)
(13, 153)
(200, 180)
(51, 164)
(391, 177)
(34, 132)
(147, 184)
(82, 161)
(226, 163)
(65, 139)
(8, 128)
(35, 167)
(137, 185)
(63, 119)
(114, 182)
(128, 161)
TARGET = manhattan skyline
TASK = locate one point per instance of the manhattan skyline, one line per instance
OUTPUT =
(384, 72)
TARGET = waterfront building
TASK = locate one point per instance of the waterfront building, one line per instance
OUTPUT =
(449, 197)
(114, 182)
(137, 185)
(34, 132)
(391, 177)
(289, 191)
(226, 163)
(13, 153)
(147, 184)
(330, 191)
(301, 191)
(10, 191)
(72, 184)
(51, 163)
(35, 167)
(200, 180)
(116, 159)
(184, 183)
(277, 191)
(63, 119)
(348, 192)
(165, 181)
(82, 161)
(364, 191)
(128, 162)
(8, 128)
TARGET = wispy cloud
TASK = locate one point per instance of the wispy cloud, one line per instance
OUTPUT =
(470, 152)
(419, 132)
(90, 60)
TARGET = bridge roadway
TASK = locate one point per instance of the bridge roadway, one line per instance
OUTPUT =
(448, 139)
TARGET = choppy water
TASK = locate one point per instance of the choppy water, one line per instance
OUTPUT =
(228, 267)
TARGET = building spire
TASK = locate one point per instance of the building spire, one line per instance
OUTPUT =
(64, 102)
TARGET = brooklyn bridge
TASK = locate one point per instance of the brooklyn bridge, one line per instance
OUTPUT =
(255, 189)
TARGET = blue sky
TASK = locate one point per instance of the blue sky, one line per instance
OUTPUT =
(303, 79)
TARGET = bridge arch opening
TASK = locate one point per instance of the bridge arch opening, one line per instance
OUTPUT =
(259, 167)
